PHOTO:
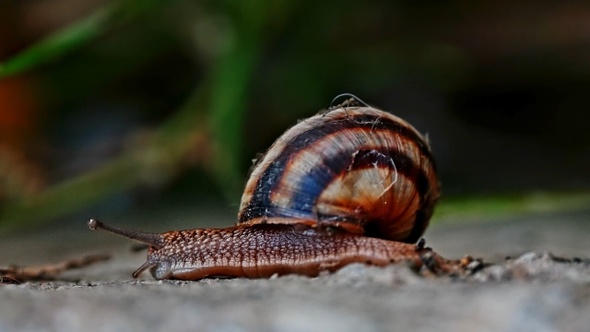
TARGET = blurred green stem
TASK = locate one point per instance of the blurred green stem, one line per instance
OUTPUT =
(227, 107)
(229, 93)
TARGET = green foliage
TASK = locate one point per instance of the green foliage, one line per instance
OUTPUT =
(291, 53)
(223, 95)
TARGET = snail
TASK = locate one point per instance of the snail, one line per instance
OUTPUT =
(350, 184)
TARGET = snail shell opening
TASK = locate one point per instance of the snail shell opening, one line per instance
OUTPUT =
(356, 168)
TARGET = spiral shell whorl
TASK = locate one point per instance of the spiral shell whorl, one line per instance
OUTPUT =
(356, 168)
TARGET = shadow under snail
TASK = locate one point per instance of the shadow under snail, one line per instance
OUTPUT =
(352, 184)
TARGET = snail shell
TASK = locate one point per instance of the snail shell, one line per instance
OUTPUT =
(356, 168)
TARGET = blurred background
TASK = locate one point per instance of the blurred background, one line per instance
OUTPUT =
(111, 106)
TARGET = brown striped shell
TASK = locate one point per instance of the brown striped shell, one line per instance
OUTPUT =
(353, 168)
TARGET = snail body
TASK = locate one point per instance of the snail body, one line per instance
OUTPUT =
(353, 184)
(259, 251)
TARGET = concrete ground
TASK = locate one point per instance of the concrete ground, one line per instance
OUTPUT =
(533, 291)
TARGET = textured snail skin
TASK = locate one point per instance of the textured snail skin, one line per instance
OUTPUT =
(353, 184)
(265, 250)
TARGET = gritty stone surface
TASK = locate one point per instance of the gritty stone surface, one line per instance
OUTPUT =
(532, 290)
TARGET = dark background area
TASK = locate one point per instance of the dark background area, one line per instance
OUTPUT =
(501, 89)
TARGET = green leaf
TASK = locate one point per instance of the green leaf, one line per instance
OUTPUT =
(57, 44)
(74, 36)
